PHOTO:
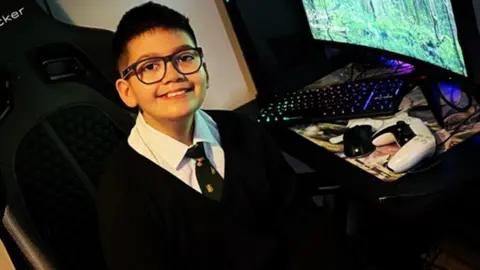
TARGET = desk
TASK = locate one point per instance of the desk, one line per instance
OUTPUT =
(417, 192)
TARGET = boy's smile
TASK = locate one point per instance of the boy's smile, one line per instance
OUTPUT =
(179, 92)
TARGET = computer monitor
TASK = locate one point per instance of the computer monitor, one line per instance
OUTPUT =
(421, 30)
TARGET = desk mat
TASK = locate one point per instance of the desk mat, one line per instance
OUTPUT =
(375, 163)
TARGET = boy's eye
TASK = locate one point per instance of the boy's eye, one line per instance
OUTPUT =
(150, 66)
(187, 56)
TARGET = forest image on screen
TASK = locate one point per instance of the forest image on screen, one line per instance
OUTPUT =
(421, 29)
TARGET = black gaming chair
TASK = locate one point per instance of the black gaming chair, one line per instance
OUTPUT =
(60, 121)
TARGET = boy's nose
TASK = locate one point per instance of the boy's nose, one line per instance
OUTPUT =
(171, 73)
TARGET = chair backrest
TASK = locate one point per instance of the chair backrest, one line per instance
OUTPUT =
(61, 122)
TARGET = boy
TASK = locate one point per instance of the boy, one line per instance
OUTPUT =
(192, 188)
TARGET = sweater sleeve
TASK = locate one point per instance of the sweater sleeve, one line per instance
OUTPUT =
(129, 235)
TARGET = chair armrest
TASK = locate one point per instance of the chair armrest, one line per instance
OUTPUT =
(33, 254)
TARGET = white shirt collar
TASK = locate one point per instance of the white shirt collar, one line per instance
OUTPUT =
(171, 150)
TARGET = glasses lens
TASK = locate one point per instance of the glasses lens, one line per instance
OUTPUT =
(151, 70)
(188, 61)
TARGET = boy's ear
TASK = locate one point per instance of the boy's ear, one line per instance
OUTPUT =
(206, 72)
(126, 93)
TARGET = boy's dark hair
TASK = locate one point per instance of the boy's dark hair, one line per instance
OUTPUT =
(146, 17)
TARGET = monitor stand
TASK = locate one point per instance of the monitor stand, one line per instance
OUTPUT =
(431, 92)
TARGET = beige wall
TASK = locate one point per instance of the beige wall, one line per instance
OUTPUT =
(5, 262)
(230, 84)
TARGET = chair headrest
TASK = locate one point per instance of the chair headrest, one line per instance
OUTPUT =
(20, 24)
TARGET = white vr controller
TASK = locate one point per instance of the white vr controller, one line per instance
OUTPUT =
(411, 134)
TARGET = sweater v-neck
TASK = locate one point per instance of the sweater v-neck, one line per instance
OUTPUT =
(228, 142)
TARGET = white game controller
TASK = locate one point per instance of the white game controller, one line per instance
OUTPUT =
(411, 134)
(414, 138)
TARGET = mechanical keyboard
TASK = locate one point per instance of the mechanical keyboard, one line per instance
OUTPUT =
(366, 98)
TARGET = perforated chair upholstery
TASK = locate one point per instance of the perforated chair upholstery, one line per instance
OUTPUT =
(55, 169)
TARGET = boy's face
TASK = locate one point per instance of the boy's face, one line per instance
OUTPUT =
(174, 97)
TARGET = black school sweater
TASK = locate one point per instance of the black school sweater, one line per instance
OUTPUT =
(149, 219)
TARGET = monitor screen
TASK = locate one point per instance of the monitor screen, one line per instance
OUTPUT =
(421, 29)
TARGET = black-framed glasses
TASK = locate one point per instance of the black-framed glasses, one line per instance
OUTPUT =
(153, 70)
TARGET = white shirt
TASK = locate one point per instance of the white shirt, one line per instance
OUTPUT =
(169, 153)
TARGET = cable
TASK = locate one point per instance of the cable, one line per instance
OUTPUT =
(425, 165)
(362, 70)
(453, 106)
(455, 130)
(352, 69)
(49, 11)
(352, 72)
